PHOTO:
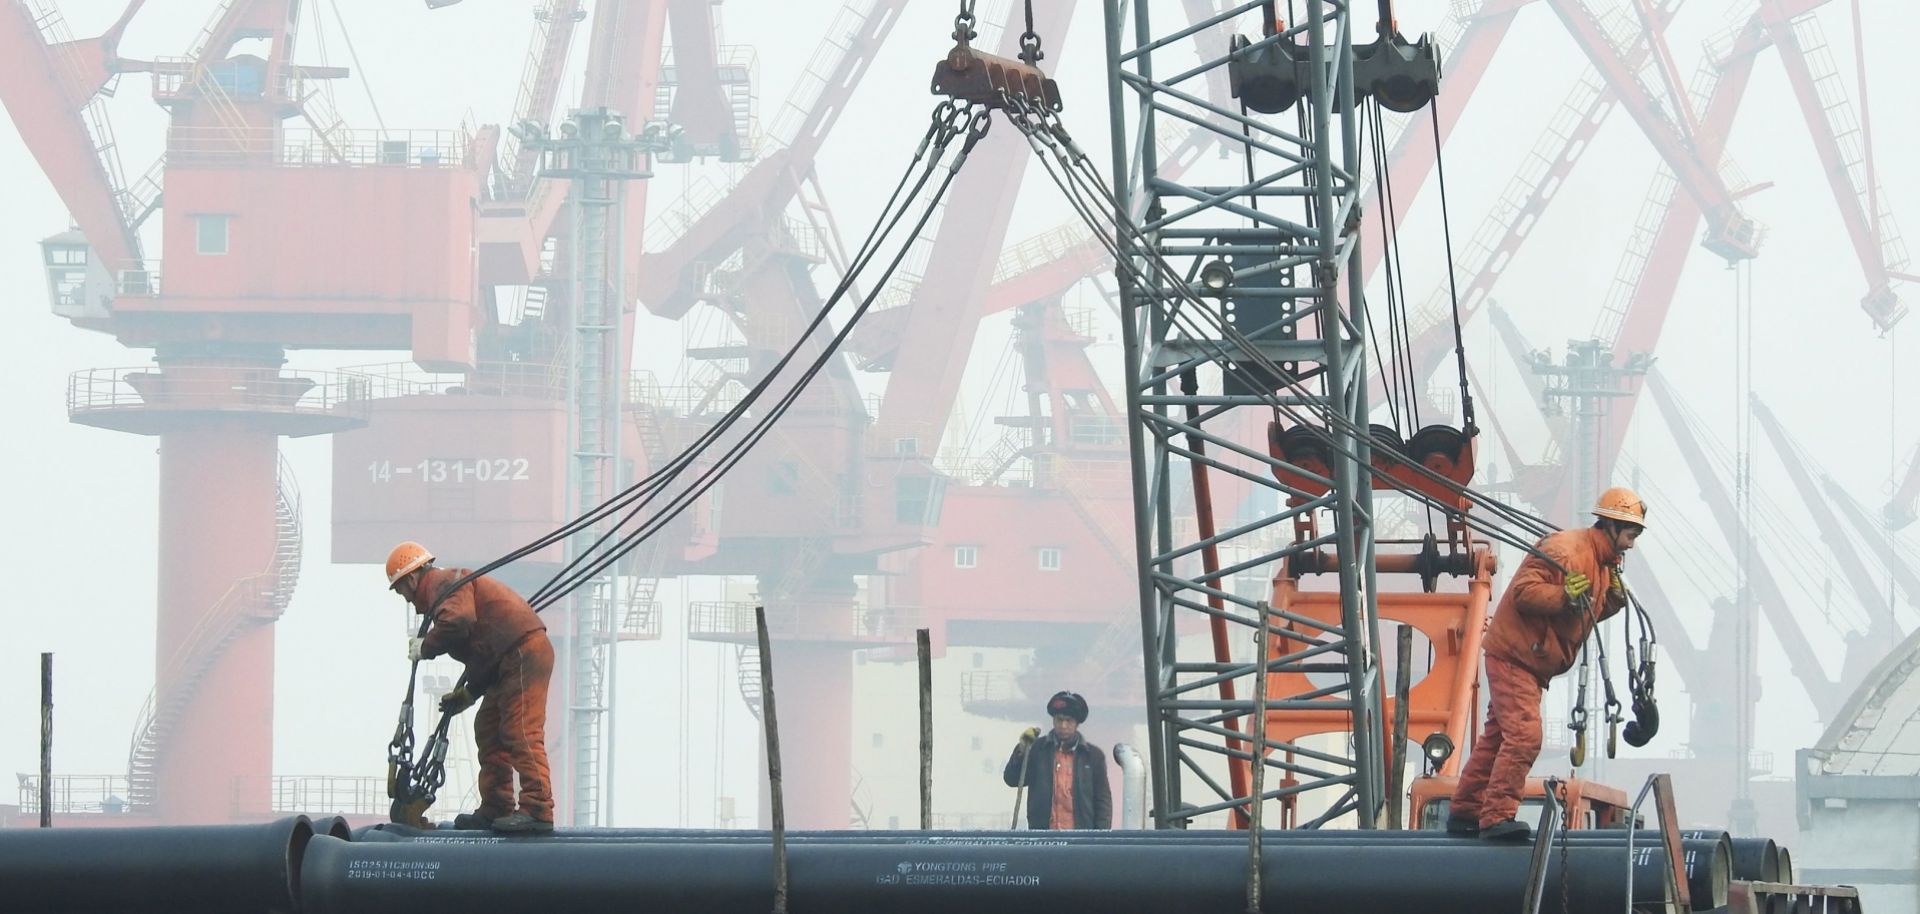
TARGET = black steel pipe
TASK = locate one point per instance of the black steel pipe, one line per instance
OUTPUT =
(333, 827)
(1707, 859)
(582, 877)
(244, 869)
(388, 832)
(1754, 859)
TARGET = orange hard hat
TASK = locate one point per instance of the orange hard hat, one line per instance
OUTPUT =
(404, 559)
(1622, 504)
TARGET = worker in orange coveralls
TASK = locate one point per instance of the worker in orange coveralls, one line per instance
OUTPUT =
(1536, 634)
(509, 660)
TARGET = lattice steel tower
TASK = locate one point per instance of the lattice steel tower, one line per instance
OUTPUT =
(597, 156)
(1242, 290)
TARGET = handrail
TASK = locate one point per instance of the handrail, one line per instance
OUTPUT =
(307, 393)
(1661, 786)
(1552, 820)
(540, 379)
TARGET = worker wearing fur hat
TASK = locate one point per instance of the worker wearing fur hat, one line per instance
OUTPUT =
(1066, 775)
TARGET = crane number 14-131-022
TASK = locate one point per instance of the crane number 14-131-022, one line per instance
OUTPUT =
(498, 469)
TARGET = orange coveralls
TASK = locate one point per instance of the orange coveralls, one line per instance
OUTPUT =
(504, 645)
(1534, 636)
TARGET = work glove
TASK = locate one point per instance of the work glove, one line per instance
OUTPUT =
(413, 649)
(1619, 583)
(1031, 734)
(456, 701)
(1577, 586)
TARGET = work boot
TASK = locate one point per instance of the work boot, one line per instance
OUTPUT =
(1463, 826)
(472, 821)
(521, 823)
(1512, 830)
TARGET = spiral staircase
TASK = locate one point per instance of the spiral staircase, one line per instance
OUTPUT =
(253, 601)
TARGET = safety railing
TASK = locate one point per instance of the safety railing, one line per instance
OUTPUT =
(543, 380)
(988, 687)
(315, 393)
(732, 619)
(412, 148)
(313, 795)
(305, 146)
(1552, 821)
(667, 227)
(1044, 249)
(139, 280)
(77, 793)
(640, 621)
(687, 399)
(1660, 788)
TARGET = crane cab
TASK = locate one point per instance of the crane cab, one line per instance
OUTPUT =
(77, 285)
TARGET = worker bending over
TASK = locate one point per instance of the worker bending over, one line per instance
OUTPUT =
(1536, 634)
(1066, 776)
(501, 640)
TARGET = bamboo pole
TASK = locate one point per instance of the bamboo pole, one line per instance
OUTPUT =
(773, 763)
(1396, 754)
(46, 740)
(922, 641)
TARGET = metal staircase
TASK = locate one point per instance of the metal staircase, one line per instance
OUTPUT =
(253, 601)
(746, 665)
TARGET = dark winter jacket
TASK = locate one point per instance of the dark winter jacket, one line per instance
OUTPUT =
(1092, 797)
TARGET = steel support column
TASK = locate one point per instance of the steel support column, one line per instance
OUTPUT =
(598, 156)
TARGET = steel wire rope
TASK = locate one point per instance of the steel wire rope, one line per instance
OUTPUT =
(1280, 407)
(644, 491)
(682, 500)
(1329, 322)
(1387, 383)
(1469, 519)
(1234, 336)
(568, 578)
(366, 85)
(1399, 325)
(1611, 699)
(403, 767)
(1535, 525)
(1453, 288)
(1029, 123)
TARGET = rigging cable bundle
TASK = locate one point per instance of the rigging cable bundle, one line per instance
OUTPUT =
(414, 781)
(1079, 180)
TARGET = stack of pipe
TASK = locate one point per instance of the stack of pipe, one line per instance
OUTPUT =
(1754, 859)
(286, 866)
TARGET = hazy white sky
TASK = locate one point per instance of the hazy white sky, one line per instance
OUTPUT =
(79, 550)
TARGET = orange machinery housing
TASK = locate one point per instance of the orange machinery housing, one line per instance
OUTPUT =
(1445, 700)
